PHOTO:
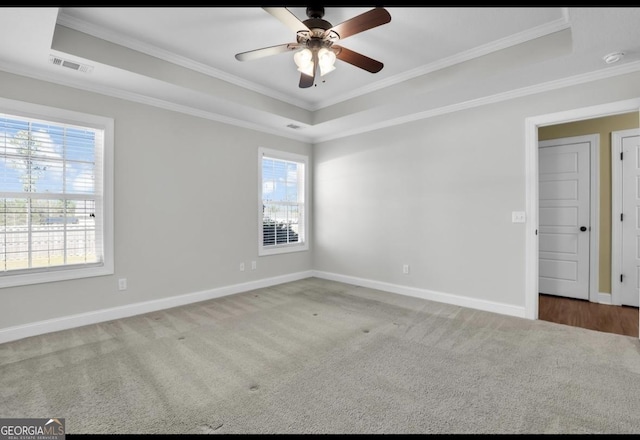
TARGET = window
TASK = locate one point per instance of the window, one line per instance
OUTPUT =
(55, 194)
(283, 212)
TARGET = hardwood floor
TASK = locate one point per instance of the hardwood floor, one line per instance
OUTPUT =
(622, 320)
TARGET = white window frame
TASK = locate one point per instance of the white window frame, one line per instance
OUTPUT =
(303, 235)
(104, 179)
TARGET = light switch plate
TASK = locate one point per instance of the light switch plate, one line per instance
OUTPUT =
(518, 217)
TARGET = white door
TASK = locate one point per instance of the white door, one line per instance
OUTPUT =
(564, 216)
(626, 214)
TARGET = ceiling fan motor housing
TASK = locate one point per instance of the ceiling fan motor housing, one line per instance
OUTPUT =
(315, 22)
(315, 11)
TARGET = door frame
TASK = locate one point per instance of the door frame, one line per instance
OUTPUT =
(616, 209)
(594, 203)
(531, 187)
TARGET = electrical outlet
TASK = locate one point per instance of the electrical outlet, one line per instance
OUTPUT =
(253, 265)
(122, 284)
(405, 269)
(241, 267)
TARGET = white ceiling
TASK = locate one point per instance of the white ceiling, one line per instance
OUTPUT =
(435, 60)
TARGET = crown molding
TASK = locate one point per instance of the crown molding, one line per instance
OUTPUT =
(151, 50)
(144, 99)
(491, 99)
(148, 49)
(604, 73)
(512, 40)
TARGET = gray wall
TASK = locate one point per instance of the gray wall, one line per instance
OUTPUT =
(185, 207)
(438, 194)
(435, 193)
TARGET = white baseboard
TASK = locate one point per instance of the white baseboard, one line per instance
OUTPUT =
(447, 298)
(66, 322)
(604, 298)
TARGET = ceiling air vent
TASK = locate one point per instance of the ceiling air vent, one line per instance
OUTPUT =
(294, 126)
(70, 64)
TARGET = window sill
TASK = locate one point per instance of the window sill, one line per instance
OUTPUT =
(282, 249)
(48, 276)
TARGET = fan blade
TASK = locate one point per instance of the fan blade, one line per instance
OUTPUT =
(287, 17)
(358, 60)
(266, 51)
(306, 80)
(360, 23)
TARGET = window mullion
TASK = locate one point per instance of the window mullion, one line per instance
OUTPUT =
(29, 164)
(64, 199)
(29, 234)
(64, 231)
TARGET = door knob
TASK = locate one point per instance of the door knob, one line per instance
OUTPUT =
(583, 228)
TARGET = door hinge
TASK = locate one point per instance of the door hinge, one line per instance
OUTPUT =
(621, 154)
(621, 277)
(621, 216)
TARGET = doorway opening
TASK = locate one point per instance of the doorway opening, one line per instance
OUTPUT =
(597, 306)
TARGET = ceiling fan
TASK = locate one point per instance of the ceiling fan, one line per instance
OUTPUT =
(315, 45)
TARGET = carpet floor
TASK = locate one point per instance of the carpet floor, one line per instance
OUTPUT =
(317, 356)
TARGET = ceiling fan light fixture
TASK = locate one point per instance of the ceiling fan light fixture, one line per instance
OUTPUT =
(326, 61)
(304, 60)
